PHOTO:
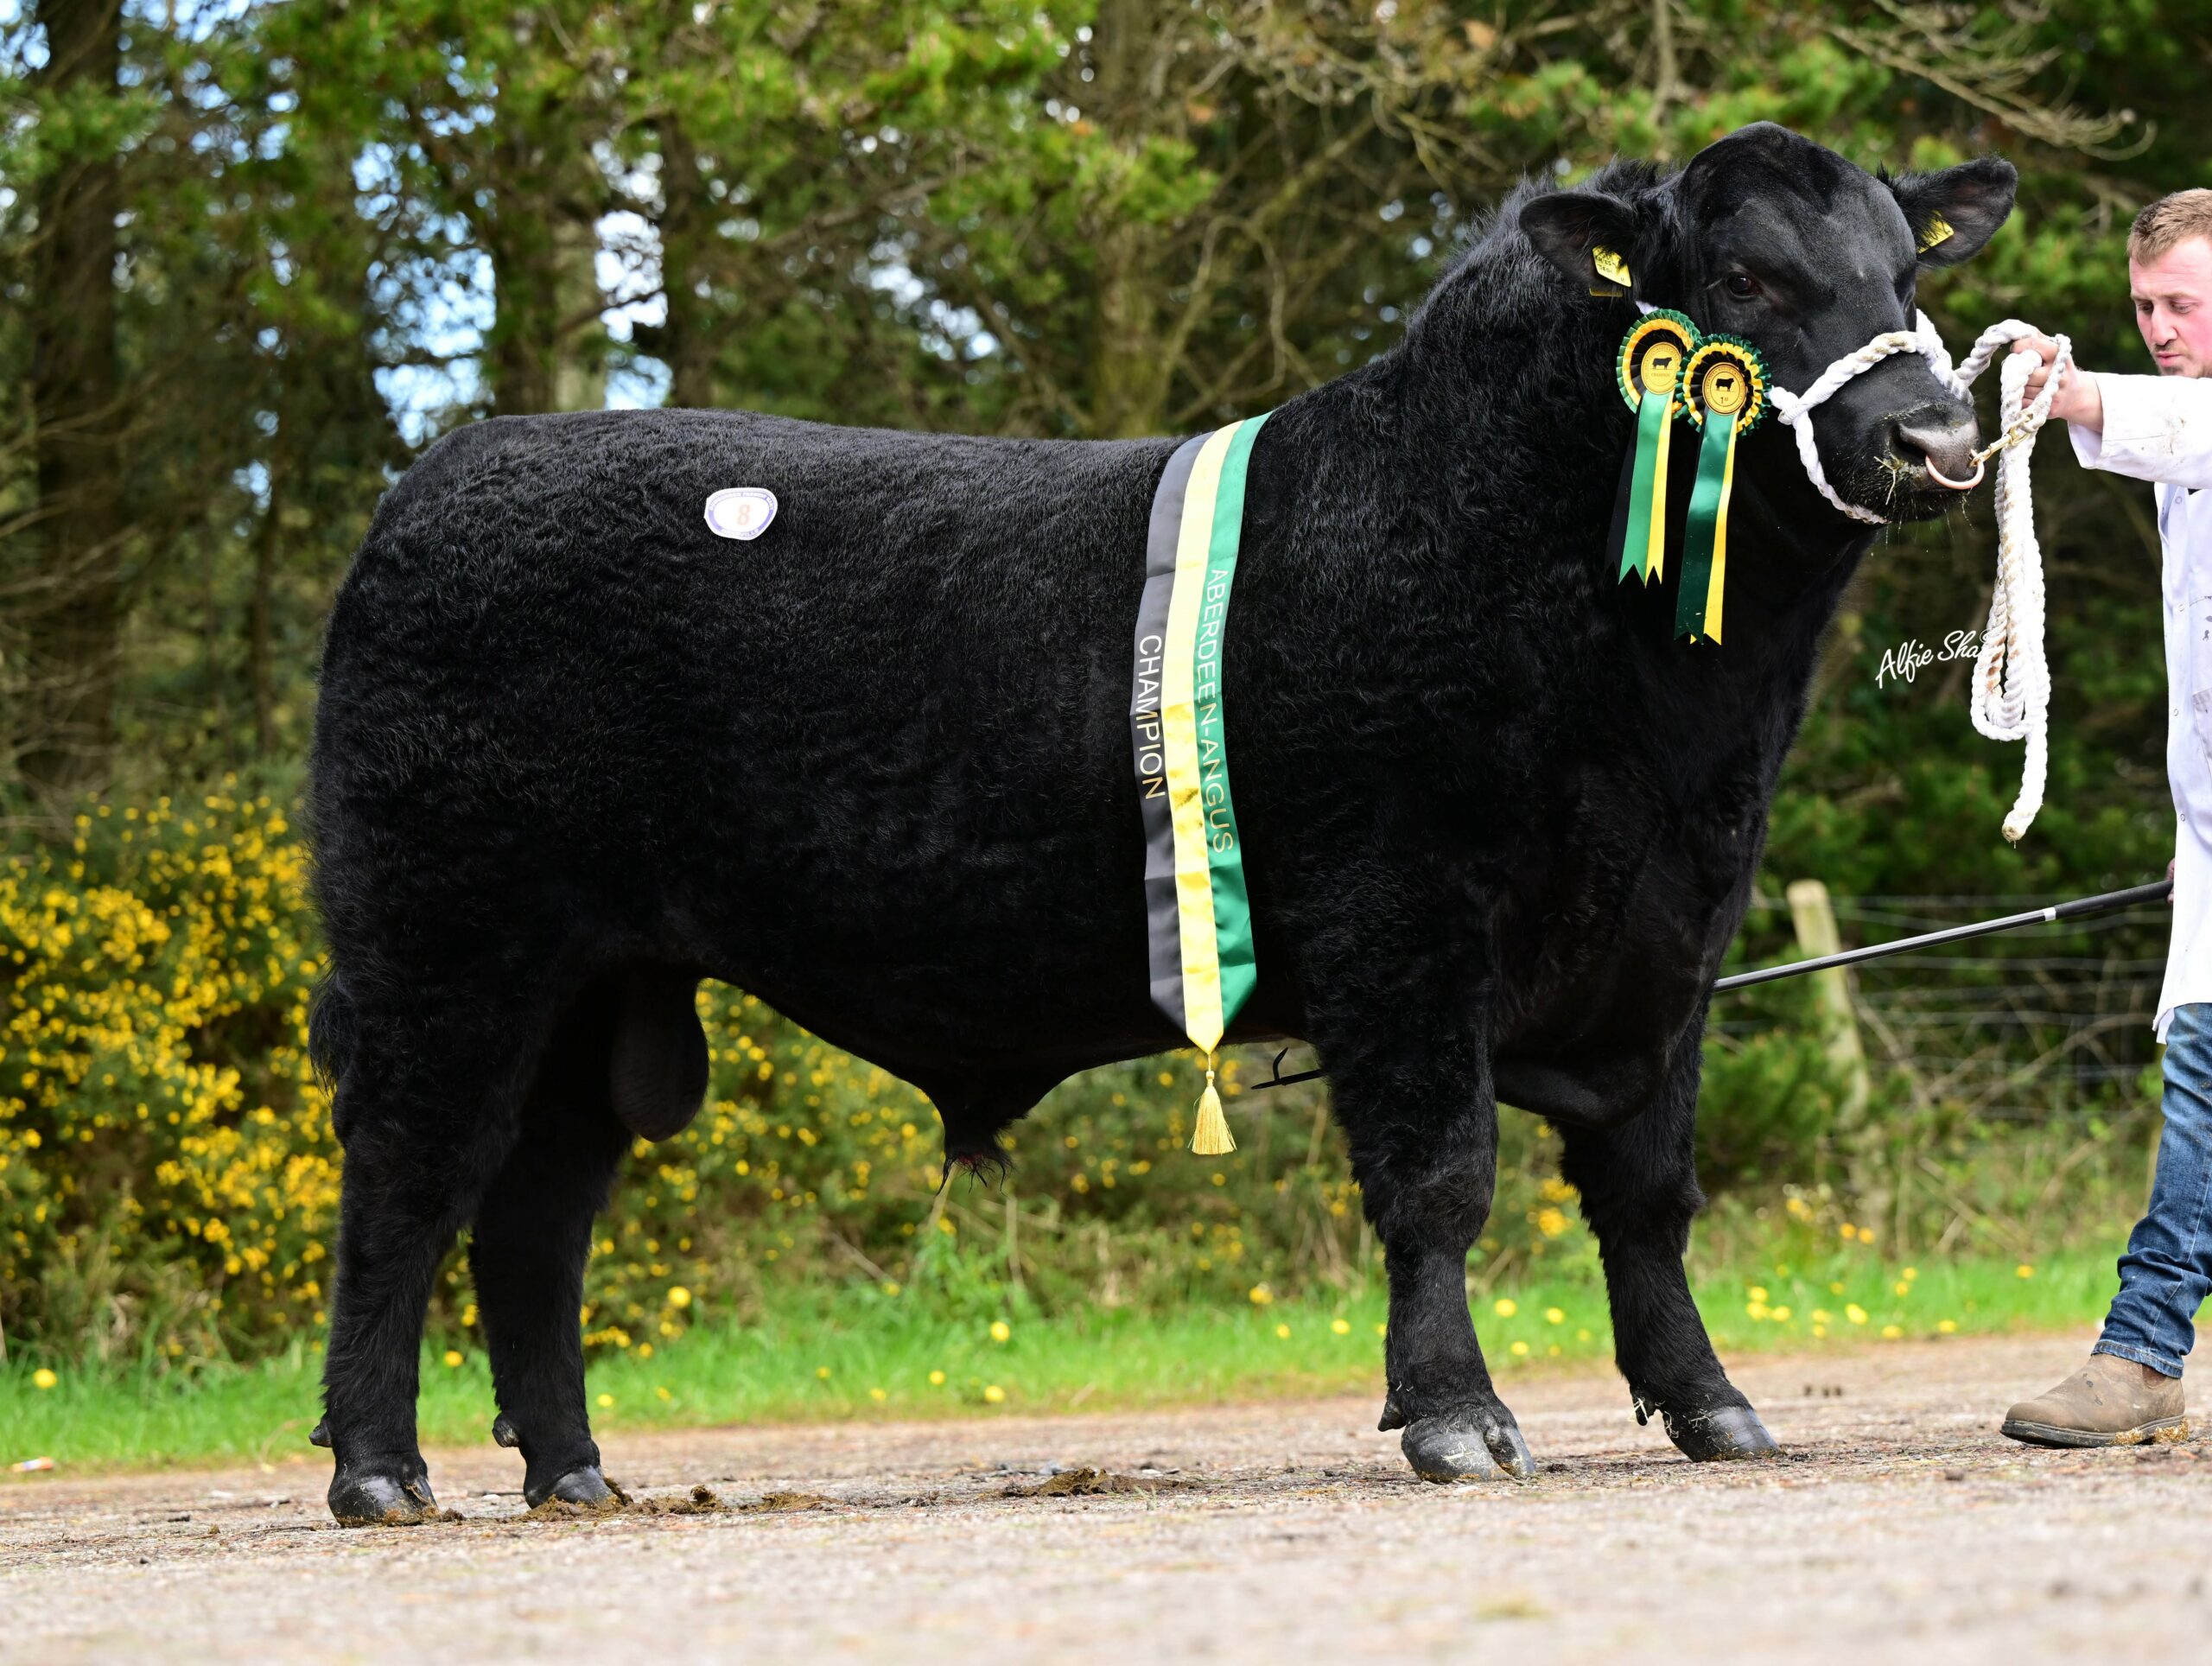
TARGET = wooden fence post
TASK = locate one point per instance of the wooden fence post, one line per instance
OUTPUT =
(1814, 917)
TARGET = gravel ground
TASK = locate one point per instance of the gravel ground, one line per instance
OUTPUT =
(1898, 1518)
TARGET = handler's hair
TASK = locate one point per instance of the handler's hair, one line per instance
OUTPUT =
(2169, 220)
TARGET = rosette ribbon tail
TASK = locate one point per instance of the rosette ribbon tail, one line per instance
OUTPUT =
(1639, 540)
(1705, 533)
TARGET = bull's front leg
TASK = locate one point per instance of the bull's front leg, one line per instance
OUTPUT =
(1424, 1146)
(1638, 1181)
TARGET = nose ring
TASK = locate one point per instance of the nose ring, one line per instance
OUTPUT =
(1941, 479)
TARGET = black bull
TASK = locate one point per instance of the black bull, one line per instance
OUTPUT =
(575, 753)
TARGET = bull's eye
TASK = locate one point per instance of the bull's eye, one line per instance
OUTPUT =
(1742, 286)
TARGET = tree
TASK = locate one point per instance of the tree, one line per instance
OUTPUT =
(75, 606)
(330, 232)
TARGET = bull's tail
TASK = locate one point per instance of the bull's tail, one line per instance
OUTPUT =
(333, 1029)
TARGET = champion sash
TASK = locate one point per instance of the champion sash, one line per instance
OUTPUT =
(1199, 920)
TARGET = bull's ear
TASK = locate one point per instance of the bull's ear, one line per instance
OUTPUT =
(1586, 234)
(1954, 213)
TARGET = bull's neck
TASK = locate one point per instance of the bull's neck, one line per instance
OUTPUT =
(1730, 710)
(1517, 411)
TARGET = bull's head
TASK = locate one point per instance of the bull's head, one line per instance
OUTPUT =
(1771, 237)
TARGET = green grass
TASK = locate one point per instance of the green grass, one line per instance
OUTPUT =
(861, 1354)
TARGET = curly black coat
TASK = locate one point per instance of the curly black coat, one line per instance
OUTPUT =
(575, 751)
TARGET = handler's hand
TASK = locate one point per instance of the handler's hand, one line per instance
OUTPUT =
(2077, 399)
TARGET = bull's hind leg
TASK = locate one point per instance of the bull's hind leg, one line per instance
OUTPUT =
(527, 1253)
(1639, 1189)
(425, 1109)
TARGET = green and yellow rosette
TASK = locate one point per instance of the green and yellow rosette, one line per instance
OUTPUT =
(1652, 357)
(1724, 384)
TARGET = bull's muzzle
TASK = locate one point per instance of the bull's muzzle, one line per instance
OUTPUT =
(1944, 449)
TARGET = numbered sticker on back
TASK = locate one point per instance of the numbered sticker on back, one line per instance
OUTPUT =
(741, 511)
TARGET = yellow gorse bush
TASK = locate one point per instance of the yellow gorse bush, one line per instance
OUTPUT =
(155, 1100)
(169, 1179)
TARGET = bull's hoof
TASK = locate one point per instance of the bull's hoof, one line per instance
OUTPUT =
(365, 1497)
(1718, 1431)
(503, 1433)
(581, 1489)
(1470, 1445)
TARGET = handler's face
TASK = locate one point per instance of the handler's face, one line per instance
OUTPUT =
(2173, 307)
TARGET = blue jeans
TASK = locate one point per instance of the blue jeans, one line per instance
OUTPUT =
(2167, 1271)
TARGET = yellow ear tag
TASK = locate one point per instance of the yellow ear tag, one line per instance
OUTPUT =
(1939, 231)
(1610, 265)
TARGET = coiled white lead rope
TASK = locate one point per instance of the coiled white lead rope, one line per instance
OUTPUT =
(2011, 686)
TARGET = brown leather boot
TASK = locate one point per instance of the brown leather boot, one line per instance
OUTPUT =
(2110, 1401)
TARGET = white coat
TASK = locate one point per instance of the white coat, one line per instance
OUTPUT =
(2159, 429)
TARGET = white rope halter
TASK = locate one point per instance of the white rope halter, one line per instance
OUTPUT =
(1796, 409)
(2011, 686)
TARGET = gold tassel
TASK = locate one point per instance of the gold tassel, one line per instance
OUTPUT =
(1212, 1137)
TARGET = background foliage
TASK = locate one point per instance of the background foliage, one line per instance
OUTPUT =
(255, 255)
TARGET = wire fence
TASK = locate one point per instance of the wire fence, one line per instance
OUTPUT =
(2042, 1022)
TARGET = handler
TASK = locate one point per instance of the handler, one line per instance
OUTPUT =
(2159, 429)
